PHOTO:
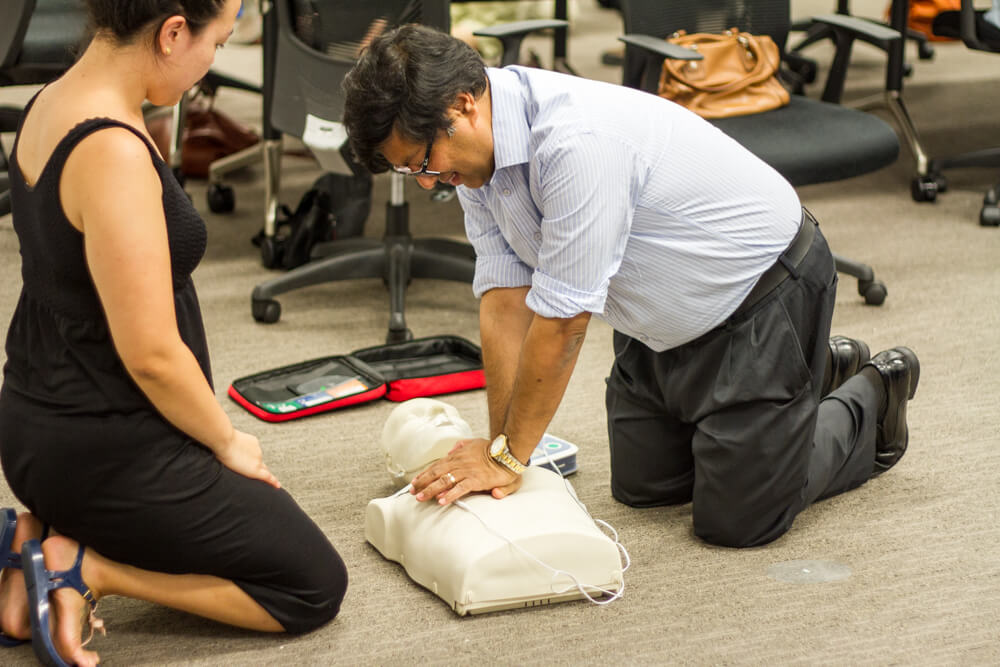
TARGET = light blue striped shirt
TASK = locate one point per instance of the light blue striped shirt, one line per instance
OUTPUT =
(623, 204)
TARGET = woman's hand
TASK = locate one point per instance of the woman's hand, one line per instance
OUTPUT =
(468, 467)
(242, 454)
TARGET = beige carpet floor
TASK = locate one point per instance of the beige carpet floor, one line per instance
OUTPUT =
(921, 542)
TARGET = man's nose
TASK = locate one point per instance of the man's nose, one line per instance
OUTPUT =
(426, 181)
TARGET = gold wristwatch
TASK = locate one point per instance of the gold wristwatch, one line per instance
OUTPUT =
(500, 452)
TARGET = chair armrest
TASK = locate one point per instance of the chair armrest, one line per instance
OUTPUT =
(644, 56)
(845, 30)
(660, 47)
(512, 34)
(520, 28)
(876, 33)
(968, 29)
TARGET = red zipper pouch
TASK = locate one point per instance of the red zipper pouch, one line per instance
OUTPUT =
(426, 366)
(397, 371)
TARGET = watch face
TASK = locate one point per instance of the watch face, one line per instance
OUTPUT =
(497, 445)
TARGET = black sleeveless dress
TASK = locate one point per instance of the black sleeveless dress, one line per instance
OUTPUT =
(85, 450)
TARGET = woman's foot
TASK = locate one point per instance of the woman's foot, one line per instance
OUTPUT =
(68, 608)
(14, 621)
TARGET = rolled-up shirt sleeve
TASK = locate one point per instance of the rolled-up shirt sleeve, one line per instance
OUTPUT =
(586, 187)
(497, 265)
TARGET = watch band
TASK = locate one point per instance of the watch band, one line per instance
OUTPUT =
(505, 458)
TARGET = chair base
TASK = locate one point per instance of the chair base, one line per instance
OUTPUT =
(397, 259)
(874, 291)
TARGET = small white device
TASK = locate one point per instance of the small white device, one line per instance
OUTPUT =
(556, 454)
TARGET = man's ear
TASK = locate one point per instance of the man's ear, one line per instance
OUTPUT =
(467, 106)
(170, 34)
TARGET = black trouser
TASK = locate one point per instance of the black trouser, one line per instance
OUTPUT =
(733, 421)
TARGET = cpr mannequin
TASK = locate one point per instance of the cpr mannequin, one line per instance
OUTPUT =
(418, 432)
(461, 551)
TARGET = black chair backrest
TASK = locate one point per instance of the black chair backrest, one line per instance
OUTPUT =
(317, 44)
(43, 47)
(12, 29)
(338, 28)
(659, 18)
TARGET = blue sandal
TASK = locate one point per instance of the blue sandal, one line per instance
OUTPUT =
(40, 583)
(8, 558)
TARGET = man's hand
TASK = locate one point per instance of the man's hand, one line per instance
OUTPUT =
(468, 467)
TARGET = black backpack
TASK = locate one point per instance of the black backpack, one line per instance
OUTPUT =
(335, 207)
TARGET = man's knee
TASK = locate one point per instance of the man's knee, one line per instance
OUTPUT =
(651, 492)
(739, 531)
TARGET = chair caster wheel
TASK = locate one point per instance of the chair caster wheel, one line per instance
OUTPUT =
(990, 215)
(925, 188)
(221, 198)
(874, 291)
(270, 252)
(267, 311)
(925, 51)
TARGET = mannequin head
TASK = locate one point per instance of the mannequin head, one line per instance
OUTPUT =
(417, 433)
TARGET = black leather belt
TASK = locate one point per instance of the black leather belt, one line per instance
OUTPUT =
(785, 265)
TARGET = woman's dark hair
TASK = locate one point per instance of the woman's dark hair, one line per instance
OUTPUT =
(126, 20)
(407, 78)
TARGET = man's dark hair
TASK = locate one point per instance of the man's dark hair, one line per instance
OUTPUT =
(125, 20)
(407, 78)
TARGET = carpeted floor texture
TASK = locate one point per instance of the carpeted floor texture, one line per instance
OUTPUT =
(921, 542)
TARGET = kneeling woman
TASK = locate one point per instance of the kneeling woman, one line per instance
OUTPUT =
(110, 432)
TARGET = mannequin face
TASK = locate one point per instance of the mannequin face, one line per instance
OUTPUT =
(418, 432)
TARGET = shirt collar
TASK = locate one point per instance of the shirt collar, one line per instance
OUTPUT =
(511, 131)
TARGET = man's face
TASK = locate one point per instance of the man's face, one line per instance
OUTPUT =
(463, 157)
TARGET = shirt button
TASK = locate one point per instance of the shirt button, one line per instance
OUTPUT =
(506, 191)
(538, 236)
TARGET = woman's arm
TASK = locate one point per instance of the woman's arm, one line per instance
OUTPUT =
(113, 195)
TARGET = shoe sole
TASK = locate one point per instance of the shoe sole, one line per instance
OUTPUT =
(914, 365)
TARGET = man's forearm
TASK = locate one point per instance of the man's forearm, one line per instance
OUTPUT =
(504, 319)
(528, 360)
(547, 360)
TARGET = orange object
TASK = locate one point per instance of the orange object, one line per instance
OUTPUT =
(923, 12)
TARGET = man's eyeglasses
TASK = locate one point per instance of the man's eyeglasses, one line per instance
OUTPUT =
(406, 171)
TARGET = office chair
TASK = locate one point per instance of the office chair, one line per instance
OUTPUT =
(817, 31)
(308, 46)
(38, 41)
(969, 25)
(807, 141)
(220, 197)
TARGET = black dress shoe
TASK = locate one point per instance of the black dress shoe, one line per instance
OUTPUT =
(900, 371)
(847, 356)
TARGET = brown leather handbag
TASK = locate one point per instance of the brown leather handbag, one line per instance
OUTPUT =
(735, 77)
(209, 134)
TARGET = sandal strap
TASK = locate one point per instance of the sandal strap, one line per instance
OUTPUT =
(9, 559)
(72, 578)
